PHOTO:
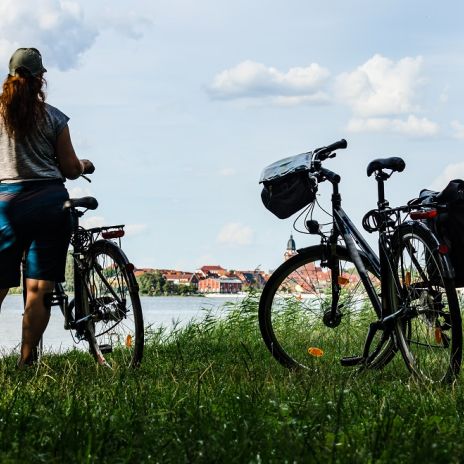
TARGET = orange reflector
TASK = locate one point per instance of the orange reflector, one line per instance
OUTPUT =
(343, 280)
(407, 279)
(427, 214)
(316, 352)
(129, 341)
(438, 337)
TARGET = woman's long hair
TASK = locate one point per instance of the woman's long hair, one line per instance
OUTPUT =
(22, 104)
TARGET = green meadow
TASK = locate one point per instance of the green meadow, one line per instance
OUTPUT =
(211, 392)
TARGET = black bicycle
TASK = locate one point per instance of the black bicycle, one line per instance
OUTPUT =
(105, 311)
(340, 302)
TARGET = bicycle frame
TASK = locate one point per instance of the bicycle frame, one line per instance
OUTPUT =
(360, 250)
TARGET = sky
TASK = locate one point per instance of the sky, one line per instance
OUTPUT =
(180, 104)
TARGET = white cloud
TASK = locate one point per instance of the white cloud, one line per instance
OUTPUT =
(250, 79)
(131, 230)
(129, 23)
(411, 126)
(381, 86)
(89, 222)
(235, 234)
(458, 130)
(59, 29)
(78, 192)
(452, 171)
(135, 229)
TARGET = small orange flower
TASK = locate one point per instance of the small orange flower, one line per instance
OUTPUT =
(343, 280)
(316, 352)
(129, 341)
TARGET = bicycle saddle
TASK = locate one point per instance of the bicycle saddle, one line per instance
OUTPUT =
(84, 202)
(394, 163)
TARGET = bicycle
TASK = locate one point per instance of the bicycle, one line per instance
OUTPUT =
(339, 297)
(106, 311)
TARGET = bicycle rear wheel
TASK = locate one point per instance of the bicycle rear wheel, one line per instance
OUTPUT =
(294, 312)
(115, 332)
(429, 334)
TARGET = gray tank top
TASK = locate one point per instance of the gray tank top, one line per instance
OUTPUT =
(34, 157)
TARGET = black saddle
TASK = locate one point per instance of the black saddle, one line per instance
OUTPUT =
(84, 202)
(394, 163)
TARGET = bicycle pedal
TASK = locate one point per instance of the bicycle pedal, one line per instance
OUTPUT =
(105, 348)
(352, 360)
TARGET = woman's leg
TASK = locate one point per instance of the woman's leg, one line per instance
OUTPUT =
(36, 316)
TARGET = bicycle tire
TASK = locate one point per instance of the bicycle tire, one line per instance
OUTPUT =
(115, 332)
(292, 306)
(429, 336)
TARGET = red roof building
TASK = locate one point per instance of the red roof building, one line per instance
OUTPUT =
(181, 278)
(220, 285)
(207, 271)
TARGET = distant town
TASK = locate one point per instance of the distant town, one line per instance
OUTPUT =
(208, 279)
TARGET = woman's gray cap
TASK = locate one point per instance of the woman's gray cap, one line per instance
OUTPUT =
(27, 58)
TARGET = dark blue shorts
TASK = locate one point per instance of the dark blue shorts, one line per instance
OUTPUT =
(32, 220)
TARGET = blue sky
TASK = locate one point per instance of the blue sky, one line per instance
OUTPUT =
(181, 104)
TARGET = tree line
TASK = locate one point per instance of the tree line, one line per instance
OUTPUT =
(153, 283)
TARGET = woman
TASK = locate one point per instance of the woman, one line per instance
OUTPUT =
(36, 155)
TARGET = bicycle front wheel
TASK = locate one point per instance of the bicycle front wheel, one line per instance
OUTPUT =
(296, 316)
(116, 332)
(429, 333)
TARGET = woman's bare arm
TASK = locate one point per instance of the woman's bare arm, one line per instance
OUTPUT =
(70, 165)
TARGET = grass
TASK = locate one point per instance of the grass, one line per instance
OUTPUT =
(210, 392)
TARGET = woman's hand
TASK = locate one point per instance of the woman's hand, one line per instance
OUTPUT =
(87, 166)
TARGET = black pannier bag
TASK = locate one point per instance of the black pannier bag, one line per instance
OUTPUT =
(288, 185)
(449, 224)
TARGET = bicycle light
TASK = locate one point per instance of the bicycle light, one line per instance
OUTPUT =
(113, 234)
(427, 214)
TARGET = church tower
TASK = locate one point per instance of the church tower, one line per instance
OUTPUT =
(291, 248)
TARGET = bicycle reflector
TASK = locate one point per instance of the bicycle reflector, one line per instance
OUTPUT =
(426, 214)
(443, 249)
(316, 352)
(113, 233)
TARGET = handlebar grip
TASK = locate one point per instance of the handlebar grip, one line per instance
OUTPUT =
(321, 152)
(89, 169)
(341, 144)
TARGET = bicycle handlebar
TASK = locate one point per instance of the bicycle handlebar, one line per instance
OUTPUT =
(89, 167)
(331, 176)
(323, 152)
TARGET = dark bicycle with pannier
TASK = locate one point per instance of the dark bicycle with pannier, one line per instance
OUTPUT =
(339, 301)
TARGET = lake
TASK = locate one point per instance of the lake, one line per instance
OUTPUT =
(157, 311)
